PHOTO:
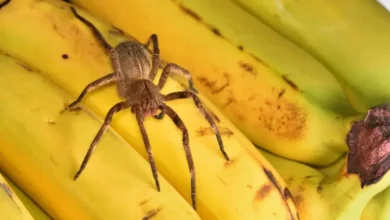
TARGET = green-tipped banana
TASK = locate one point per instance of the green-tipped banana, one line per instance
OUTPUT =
(328, 193)
(379, 207)
(350, 37)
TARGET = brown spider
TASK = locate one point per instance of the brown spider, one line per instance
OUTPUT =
(133, 77)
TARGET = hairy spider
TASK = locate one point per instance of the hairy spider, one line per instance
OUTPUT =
(133, 76)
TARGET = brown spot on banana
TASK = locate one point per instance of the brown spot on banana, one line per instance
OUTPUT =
(291, 83)
(212, 84)
(215, 31)
(284, 118)
(281, 93)
(229, 101)
(7, 189)
(26, 67)
(273, 180)
(151, 214)
(143, 202)
(263, 191)
(203, 131)
(65, 56)
(247, 67)
(287, 193)
(190, 12)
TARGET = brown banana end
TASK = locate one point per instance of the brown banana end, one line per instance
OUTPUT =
(369, 146)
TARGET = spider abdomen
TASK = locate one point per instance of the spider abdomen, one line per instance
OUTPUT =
(131, 61)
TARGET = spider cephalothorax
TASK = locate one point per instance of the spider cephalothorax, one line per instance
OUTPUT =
(134, 76)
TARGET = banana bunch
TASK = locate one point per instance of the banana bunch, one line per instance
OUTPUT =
(350, 37)
(273, 111)
(36, 161)
(322, 140)
(44, 72)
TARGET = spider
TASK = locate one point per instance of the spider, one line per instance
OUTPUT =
(133, 75)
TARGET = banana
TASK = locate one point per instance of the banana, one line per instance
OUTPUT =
(350, 37)
(64, 50)
(34, 209)
(40, 149)
(11, 208)
(268, 108)
(279, 53)
(379, 207)
(326, 193)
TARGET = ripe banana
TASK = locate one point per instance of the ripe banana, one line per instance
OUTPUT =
(350, 37)
(41, 149)
(284, 57)
(11, 208)
(270, 109)
(68, 51)
(33, 208)
(327, 193)
(379, 207)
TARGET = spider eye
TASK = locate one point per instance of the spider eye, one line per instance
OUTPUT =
(371, 121)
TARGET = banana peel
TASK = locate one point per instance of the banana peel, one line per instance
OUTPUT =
(224, 191)
(11, 207)
(284, 57)
(326, 193)
(40, 149)
(268, 108)
(34, 209)
(351, 38)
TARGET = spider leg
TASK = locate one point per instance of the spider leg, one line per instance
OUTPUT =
(95, 31)
(198, 103)
(116, 108)
(179, 123)
(156, 55)
(107, 79)
(173, 68)
(140, 120)
(161, 115)
(4, 3)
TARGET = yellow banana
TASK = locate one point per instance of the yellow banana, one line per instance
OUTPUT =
(269, 108)
(379, 207)
(327, 193)
(11, 207)
(68, 51)
(250, 35)
(34, 209)
(350, 37)
(40, 149)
